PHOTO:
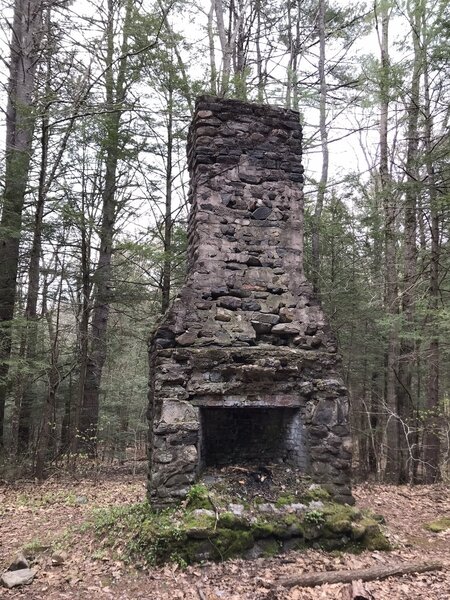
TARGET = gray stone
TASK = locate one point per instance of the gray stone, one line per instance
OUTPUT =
(267, 508)
(19, 562)
(223, 314)
(316, 505)
(187, 338)
(261, 213)
(297, 507)
(236, 509)
(12, 579)
(203, 512)
(230, 302)
(286, 329)
(174, 412)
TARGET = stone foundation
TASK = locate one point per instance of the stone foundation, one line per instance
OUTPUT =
(245, 337)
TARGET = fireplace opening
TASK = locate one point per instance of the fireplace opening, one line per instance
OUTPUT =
(232, 436)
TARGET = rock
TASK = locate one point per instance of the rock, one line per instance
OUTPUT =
(297, 507)
(173, 412)
(12, 579)
(81, 500)
(286, 329)
(187, 338)
(261, 213)
(58, 558)
(263, 322)
(251, 305)
(203, 512)
(267, 508)
(316, 505)
(230, 302)
(20, 562)
(223, 314)
(236, 509)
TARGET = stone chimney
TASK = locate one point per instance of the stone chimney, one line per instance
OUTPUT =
(243, 366)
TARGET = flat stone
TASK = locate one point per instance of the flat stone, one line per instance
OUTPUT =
(297, 507)
(174, 412)
(267, 508)
(187, 338)
(286, 329)
(236, 509)
(261, 213)
(203, 512)
(251, 305)
(223, 314)
(266, 318)
(230, 302)
(12, 579)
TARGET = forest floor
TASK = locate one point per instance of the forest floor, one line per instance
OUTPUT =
(34, 516)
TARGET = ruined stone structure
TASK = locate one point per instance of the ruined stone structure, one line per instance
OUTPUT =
(243, 366)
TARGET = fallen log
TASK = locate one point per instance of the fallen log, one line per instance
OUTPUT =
(369, 574)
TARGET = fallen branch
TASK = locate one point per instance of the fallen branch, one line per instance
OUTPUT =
(313, 579)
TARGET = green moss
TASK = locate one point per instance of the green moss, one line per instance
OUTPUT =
(438, 525)
(316, 492)
(269, 547)
(186, 535)
(374, 539)
(193, 520)
(231, 542)
(229, 520)
(263, 529)
(284, 500)
(198, 497)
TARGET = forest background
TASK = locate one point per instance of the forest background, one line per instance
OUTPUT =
(96, 101)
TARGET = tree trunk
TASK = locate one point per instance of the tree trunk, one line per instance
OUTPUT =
(325, 156)
(167, 266)
(115, 96)
(53, 382)
(390, 255)
(407, 356)
(20, 119)
(431, 435)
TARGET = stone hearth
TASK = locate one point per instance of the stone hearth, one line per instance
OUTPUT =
(243, 366)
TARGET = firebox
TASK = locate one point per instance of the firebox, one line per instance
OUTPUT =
(233, 436)
(243, 366)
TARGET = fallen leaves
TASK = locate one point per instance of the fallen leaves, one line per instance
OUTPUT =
(38, 514)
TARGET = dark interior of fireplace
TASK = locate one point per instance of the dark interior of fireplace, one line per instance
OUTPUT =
(238, 435)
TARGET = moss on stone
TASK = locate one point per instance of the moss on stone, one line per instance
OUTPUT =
(232, 542)
(316, 492)
(438, 525)
(284, 500)
(229, 520)
(269, 547)
(188, 535)
(374, 538)
(198, 497)
(263, 529)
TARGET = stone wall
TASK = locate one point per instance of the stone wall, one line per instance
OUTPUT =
(245, 330)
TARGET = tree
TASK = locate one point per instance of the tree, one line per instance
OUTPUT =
(20, 120)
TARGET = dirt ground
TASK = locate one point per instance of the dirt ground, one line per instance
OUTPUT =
(34, 516)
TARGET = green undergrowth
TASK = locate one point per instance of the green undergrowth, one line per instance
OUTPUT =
(203, 529)
(438, 525)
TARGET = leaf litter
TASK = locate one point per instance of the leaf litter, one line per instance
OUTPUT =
(40, 518)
